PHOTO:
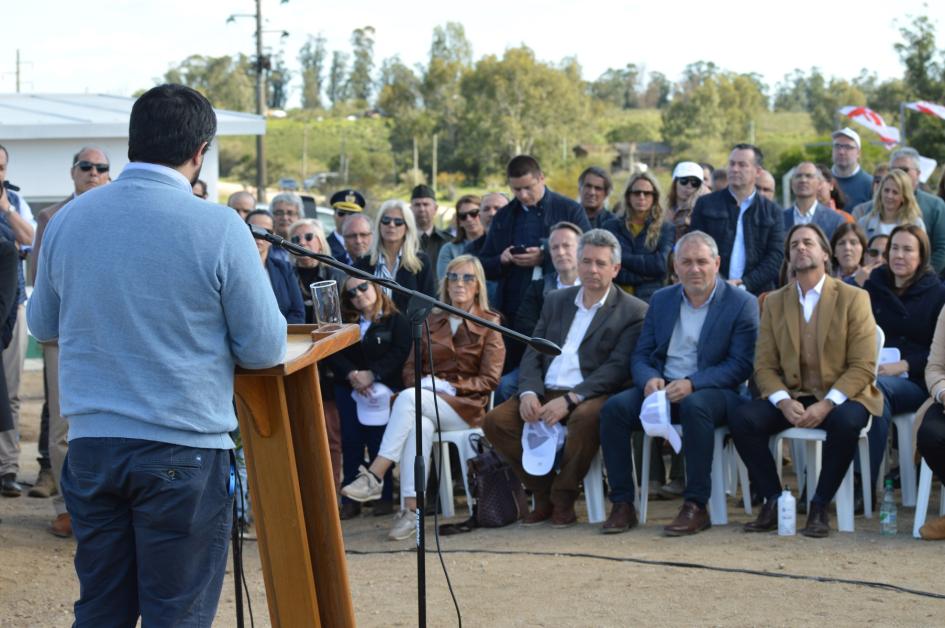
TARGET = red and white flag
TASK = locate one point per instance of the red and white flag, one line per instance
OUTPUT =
(873, 121)
(930, 108)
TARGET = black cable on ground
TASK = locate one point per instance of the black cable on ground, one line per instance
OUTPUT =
(439, 476)
(242, 574)
(681, 565)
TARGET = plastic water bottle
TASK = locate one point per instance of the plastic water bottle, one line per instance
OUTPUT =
(887, 512)
(787, 513)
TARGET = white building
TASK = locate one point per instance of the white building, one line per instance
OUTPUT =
(42, 132)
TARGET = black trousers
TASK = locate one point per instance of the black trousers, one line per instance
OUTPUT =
(753, 423)
(931, 439)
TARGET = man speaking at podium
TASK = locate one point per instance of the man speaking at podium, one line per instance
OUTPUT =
(155, 295)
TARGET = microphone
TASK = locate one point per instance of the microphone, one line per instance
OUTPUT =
(261, 234)
(544, 346)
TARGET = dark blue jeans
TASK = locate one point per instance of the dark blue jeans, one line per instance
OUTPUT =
(754, 422)
(354, 438)
(900, 395)
(152, 525)
(699, 414)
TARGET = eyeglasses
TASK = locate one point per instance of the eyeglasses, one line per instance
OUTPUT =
(465, 277)
(470, 214)
(361, 287)
(646, 193)
(280, 213)
(357, 236)
(341, 213)
(693, 182)
(844, 147)
(85, 166)
(875, 252)
(398, 222)
(308, 237)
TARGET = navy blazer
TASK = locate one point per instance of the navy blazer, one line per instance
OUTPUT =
(726, 344)
(383, 350)
(286, 288)
(824, 217)
(338, 250)
(717, 215)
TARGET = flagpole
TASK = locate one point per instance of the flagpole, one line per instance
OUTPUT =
(902, 124)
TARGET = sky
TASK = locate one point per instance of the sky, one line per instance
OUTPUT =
(121, 47)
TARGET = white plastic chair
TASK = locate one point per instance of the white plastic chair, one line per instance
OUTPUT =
(922, 500)
(460, 440)
(718, 511)
(594, 489)
(904, 424)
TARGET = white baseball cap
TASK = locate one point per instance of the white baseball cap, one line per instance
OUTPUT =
(688, 169)
(540, 443)
(849, 133)
(654, 414)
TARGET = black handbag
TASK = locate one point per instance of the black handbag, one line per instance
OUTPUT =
(497, 491)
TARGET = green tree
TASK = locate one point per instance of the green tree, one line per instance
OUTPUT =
(337, 87)
(619, 87)
(450, 59)
(360, 83)
(657, 91)
(312, 59)
(924, 79)
(228, 82)
(517, 104)
(278, 83)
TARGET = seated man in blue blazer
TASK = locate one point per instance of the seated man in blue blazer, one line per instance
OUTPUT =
(697, 343)
(804, 183)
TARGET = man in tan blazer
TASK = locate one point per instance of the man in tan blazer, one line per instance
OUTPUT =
(815, 365)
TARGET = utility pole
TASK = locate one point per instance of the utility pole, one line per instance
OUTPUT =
(260, 108)
(435, 146)
(416, 161)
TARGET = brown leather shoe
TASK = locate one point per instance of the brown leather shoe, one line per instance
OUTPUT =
(818, 522)
(563, 516)
(933, 530)
(349, 510)
(61, 526)
(623, 516)
(45, 485)
(538, 516)
(767, 519)
(692, 518)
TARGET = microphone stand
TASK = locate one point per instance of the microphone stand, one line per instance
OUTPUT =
(418, 308)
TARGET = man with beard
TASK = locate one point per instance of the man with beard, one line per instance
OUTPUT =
(806, 381)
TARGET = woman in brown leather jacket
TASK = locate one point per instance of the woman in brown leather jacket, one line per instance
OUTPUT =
(467, 361)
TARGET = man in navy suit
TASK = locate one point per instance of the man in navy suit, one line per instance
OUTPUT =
(804, 183)
(697, 343)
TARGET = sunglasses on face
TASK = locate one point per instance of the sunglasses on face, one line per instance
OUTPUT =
(397, 222)
(85, 166)
(646, 193)
(465, 277)
(281, 213)
(341, 213)
(693, 182)
(308, 237)
(470, 214)
(361, 287)
(875, 252)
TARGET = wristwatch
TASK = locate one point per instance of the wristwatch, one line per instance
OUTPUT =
(570, 401)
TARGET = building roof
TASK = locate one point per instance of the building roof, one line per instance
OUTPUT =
(75, 116)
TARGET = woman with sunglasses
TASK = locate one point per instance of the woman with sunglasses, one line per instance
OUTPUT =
(468, 230)
(894, 204)
(309, 234)
(396, 253)
(284, 284)
(907, 297)
(378, 358)
(645, 238)
(468, 361)
(688, 185)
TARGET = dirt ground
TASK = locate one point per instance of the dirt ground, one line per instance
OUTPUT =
(546, 577)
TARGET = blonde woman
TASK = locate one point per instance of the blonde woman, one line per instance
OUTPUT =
(309, 234)
(894, 204)
(645, 237)
(468, 360)
(396, 253)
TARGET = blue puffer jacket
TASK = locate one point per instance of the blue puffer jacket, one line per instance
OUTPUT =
(641, 267)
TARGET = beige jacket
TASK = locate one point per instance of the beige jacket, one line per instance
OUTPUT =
(934, 375)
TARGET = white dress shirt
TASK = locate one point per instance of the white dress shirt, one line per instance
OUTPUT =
(564, 372)
(736, 265)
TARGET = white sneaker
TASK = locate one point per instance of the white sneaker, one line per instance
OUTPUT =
(404, 525)
(365, 487)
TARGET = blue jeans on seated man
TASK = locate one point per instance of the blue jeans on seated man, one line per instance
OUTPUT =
(152, 524)
(753, 423)
(508, 388)
(900, 396)
(699, 414)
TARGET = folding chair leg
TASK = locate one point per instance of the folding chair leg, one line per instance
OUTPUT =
(645, 477)
(922, 499)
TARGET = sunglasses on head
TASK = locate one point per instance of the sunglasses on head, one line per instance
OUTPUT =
(465, 277)
(361, 287)
(693, 182)
(308, 237)
(398, 222)
(470, 214)
(85, 166)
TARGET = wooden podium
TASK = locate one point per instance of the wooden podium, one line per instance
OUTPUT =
(282, 425)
